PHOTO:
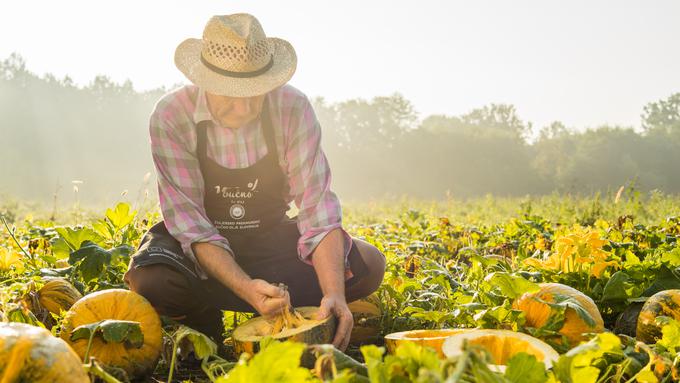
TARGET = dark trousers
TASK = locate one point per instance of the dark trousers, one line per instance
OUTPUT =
(161, 273)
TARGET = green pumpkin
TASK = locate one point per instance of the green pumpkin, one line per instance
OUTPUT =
(664, 303)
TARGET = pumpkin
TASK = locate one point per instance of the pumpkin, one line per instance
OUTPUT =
(58, 295)
(430, 338)
(575, 327)
(31, 354)
(664, 303)
(298, 326)
(501, 345)
(117, 304)
(366, 316)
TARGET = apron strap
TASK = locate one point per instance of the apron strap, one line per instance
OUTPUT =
(268, 131)
(202, 142)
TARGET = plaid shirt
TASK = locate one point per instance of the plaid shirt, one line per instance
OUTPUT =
(172, 129)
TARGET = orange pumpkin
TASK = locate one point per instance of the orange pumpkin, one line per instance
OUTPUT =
(32, 354)
(574, 328)
(117, 304)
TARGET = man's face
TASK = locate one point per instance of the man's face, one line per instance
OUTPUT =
(234, 112)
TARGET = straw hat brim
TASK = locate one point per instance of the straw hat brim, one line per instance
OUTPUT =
(188, 61)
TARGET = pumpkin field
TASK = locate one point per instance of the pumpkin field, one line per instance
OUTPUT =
(522, 290)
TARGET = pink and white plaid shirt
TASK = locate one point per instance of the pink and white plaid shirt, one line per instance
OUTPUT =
(172, 128)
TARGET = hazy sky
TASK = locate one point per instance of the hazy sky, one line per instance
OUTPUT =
(582, 62)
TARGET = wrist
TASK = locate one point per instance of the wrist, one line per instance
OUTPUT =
(338, 296)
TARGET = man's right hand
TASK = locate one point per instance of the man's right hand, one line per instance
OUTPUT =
(269, 300)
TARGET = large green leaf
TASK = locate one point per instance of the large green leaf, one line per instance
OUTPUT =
(90, 260)
(75, 237)
(112, 331)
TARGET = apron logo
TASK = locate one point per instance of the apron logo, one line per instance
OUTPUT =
(236, 192)
(237, 211)
(253, 185)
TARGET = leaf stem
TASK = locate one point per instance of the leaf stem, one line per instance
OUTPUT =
(11, 233)
(173, 359)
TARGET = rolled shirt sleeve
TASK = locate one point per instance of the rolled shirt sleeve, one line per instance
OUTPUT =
(310, 180)
(180, 185)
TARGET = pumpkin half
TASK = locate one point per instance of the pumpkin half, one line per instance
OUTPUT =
(664, 303)
(429, 338)
(117, 304)
(298, 326)
(575, 327)
(501, 345)
(366, 315)
(32, 354)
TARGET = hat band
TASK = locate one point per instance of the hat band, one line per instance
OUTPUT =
(228, 73)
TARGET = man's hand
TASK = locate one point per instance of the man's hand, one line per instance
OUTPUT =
(337, 305)
(269, 300)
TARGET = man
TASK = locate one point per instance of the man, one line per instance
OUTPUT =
(231, 151)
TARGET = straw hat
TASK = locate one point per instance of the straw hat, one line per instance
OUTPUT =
(235, 58)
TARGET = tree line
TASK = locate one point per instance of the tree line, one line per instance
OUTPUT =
(55, 132)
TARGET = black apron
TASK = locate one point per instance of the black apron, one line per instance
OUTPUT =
(248, 207)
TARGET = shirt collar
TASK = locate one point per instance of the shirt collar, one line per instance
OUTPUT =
(201, 113)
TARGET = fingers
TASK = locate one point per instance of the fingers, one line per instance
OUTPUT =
(270, 290)
(344, 330)
(273, 306)
(324, 310)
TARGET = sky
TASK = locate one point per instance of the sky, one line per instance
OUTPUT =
(585, 63)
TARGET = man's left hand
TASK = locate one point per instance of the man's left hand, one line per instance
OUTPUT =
(337, 305)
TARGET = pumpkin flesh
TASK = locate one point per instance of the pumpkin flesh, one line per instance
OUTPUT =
(303, 329)
(430, 338)
(502, 345)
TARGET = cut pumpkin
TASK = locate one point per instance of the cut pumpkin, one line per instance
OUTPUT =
(117, 304)
(298, 325)
(32, 354)
(502, 345)
(538, 312)
(664, 303)
(366, 315)
(429, 338)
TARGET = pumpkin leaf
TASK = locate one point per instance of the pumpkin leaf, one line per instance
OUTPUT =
(525, 368)
(112, 331)
(665, 279)
(620, 287)
(278, 362)
(74, 238)
(670, 339)
(512, 286)
(563, 301)
(90, 260)
(203, 346)
(120, 216)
